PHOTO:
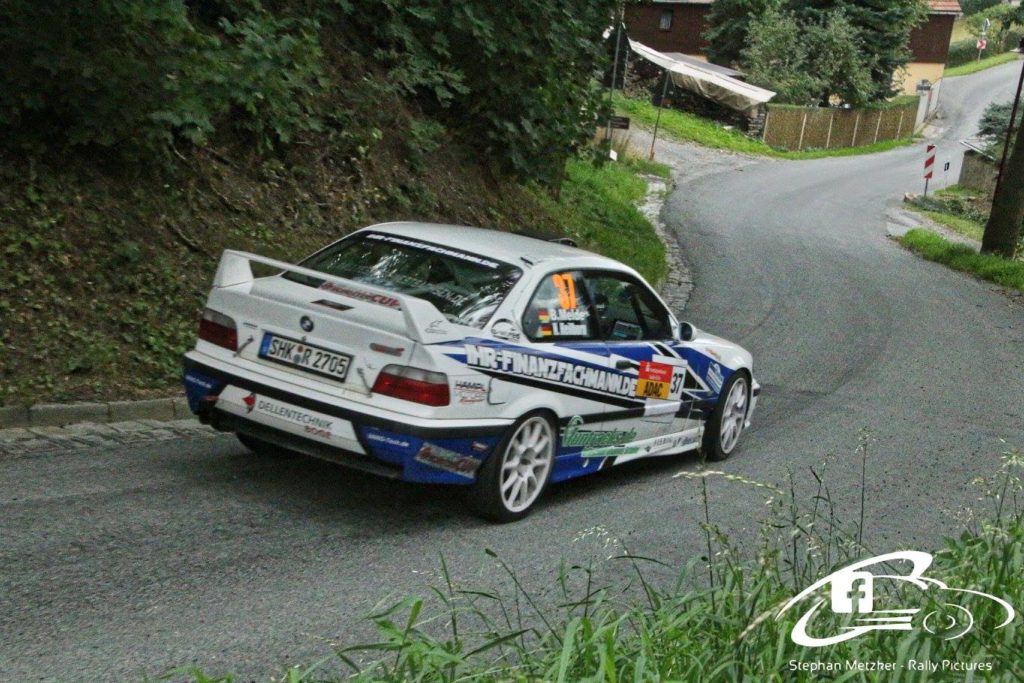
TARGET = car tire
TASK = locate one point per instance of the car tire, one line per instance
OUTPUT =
(723, 429)
(264, 448)
(513, 478)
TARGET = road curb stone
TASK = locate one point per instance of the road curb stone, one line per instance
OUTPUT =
(64, 414)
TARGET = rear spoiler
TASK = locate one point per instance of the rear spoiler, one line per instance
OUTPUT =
(423, 322)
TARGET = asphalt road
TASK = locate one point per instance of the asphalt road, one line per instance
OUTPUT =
(123, 562)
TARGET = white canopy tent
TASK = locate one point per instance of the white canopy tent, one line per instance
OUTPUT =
(717, 87)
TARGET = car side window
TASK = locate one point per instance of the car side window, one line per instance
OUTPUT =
(559, 310)
(625, 308)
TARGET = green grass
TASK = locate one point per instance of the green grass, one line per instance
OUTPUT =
(981, 65)
(958, 192)
(719, 621)
(963, 226)
(598, 208)
(689, 127)
(963, 258)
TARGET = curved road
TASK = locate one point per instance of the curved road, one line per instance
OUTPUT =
(121, 562)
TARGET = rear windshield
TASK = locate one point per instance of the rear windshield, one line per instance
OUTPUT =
(465, 287)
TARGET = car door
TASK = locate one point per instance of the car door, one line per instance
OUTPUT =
(637, 331)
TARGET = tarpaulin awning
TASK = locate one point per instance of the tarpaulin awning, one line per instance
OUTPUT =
(717, 87)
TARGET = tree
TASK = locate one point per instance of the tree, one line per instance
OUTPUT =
(778, 58)
(838, 57)
(884, 27)
(728, 32)
(1004, 223)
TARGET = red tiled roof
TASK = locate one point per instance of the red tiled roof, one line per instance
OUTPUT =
(944, 7)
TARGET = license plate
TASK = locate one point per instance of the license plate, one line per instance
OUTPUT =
(307, 357)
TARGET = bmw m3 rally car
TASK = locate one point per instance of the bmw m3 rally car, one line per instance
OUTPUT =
(456, 355)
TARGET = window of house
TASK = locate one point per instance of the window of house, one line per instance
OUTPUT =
(666, 20)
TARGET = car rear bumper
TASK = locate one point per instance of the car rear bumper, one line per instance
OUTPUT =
(349, 433)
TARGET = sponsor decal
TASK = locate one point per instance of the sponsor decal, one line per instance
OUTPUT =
(850, 595)
(385, 439)
(574, 436)
(436, 327)
(654, 380)
(250, 402)
(470, 392)
(505, 329)
(362, 295)
(313, 424)
(434, 248)
(479, 447)
(714, 377)
(449, 461)
(609, 451)
(192, 379)
(523, 364)
(714, 354)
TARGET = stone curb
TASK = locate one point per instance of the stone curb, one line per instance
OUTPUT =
(63, 414)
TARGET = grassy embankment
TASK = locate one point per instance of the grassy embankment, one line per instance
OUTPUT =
(692, 128)
(719, 622)
(982, 64)
(104, 273)
(964, 212)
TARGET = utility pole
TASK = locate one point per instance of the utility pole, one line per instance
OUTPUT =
(1004, 223)
(1004, 226)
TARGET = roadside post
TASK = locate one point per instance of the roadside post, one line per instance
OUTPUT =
(657, 120)
(929, 166)
(983, 39)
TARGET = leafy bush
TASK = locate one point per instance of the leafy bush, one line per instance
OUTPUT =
(137, 77)
(962, 52)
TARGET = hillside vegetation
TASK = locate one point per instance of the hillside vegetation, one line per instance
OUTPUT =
(141, 139)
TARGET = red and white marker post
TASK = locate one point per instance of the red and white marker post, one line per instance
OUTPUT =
(929, 167)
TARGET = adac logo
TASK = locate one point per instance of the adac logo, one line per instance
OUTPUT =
(250, 402)
(851, 591)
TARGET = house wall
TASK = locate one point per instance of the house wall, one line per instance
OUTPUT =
(929, 43)
(915, 71)
(689, 22)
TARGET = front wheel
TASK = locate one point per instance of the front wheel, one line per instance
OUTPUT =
(723, 428)
(512, 479)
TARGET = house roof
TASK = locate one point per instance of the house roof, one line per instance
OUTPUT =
(944, 7)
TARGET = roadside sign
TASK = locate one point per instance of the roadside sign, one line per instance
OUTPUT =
(982, 43)
(620, 122)
(929, 162)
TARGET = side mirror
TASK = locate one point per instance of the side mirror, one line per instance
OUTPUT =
(687, 332)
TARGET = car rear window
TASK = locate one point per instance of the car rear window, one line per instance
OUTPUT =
(467, 288)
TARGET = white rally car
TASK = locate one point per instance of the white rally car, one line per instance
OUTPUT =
(455, 355)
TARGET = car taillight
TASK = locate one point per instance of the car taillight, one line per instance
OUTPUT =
(413, 384)
(218, 329)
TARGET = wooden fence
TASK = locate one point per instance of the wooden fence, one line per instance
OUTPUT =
(797, 128)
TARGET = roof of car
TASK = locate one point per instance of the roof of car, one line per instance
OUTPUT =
(504, 246)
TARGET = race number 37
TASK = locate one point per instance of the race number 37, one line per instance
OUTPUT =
(566, 290)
